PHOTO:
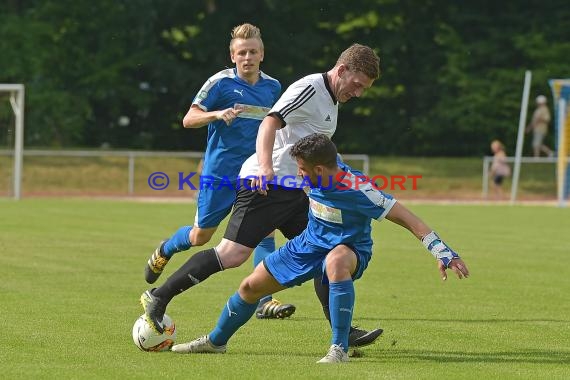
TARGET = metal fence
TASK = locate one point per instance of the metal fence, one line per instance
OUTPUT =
(487, 160)
(131, 162)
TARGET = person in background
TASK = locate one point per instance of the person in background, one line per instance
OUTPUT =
(539, 127)
(500, 169)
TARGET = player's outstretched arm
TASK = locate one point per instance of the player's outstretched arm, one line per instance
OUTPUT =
(196, 117)
(446, 257)
(399, 214)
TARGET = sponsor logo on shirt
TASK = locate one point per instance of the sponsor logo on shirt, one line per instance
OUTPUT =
(324, 212)
(238, 91)
(251, 112)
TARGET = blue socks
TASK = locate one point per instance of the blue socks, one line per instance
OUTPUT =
(180, 241)
(341, 301)
(237, 312)
(263, 249)
(234, 315)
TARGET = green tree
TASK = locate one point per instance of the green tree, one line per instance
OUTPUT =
(452, 72)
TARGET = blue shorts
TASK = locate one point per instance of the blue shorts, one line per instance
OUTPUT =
(214, 204)
(298, 261)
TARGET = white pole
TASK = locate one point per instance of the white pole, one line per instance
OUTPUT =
(486, 176)
(562, 161)
(18, 108)
(131, 173)
(520, 137)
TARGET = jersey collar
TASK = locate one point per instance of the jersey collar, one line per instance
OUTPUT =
(246, 82)
(325, 78)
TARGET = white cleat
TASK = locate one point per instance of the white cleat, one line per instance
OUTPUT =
(335, 355)
(199, 346)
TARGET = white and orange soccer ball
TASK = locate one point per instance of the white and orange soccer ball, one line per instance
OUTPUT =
(147, 339)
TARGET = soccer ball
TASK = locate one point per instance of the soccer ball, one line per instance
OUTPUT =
(147, 339)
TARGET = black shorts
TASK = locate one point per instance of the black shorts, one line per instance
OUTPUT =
(254, 216)
(498, 179)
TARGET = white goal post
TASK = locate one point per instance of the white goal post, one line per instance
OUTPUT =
(16, 92)
(359, 157)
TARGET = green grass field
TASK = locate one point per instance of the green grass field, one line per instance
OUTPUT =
(72, 274)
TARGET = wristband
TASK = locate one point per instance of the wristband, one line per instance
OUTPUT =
(439, 249)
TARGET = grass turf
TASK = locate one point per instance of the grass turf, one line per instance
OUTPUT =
(73, 272)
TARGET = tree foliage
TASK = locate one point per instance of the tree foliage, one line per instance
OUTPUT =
(124, 72)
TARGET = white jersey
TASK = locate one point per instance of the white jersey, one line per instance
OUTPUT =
(308, 106)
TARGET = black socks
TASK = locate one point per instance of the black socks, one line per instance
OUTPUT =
(197, 269)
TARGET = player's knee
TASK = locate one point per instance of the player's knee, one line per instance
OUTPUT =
(340, 263)
(232, 254)
(247, 290)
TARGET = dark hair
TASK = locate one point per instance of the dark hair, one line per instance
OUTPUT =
(315, 149)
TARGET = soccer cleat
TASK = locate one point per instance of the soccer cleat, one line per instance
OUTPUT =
(274, 310)
(335, 355)
(155, 265)
(201, 345)
(154, 310)
(361, 338)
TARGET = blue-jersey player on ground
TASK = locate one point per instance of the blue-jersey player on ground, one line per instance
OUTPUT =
(232, 103)
(335, 245)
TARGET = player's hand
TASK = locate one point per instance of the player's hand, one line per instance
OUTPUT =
(259, 184)
(456, 265)
(228, 115)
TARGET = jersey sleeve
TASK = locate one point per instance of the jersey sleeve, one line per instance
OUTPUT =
(374, 203)
(295, 104)
(208, 98)
(276, 92)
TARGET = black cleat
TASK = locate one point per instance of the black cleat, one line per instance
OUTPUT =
(154, 310)
(155, 265)
(361, 338)
(274, 310)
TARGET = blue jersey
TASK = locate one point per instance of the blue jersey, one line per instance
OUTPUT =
(342, 215)
(229, 146)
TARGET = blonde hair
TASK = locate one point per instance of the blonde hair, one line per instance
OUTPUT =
(361, 58)
(245, 32)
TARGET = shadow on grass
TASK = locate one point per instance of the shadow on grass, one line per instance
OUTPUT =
(390, 354)
(440, 320)
(522, 356)
(492, 320)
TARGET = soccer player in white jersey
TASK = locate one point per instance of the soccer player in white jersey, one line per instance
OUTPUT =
(336, 246)
(233, 102)
(309, 105)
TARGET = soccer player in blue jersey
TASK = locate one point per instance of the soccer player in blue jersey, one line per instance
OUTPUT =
(232, 103)
(336, 245)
